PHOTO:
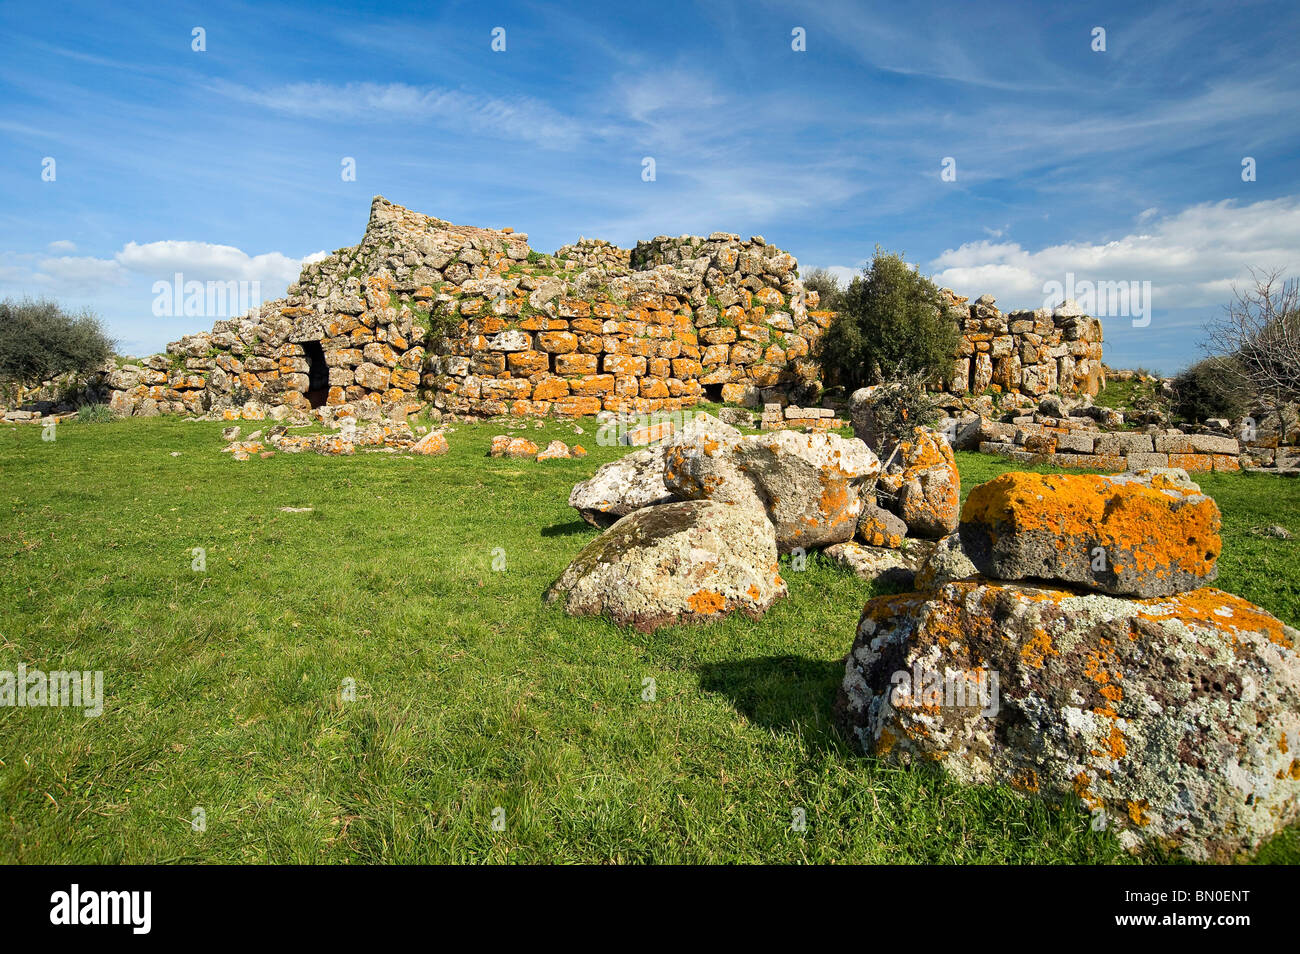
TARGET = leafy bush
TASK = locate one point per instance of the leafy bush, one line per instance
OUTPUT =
(1210, 388)
(39, 341)
(892, 321)
(827, 287)
(94, 413)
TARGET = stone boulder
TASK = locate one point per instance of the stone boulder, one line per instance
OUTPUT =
(878, 527)
(433, 443)
(1121, 536)
(687, 561)
(865, 417)
(637, 479)
(503, 445)
(1175, 721)
(945, 563)
(888, 565)
(809, 485)
(922, 485)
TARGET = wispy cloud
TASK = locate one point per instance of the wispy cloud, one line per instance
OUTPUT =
(455, 110)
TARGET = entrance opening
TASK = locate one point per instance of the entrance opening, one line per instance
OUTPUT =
(318, 373)
(713, 392)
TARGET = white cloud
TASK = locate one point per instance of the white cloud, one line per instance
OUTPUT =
(1191, 258)
(78, 272)
(153, 261)
(62, 245)
(519, 117)
(203, 261)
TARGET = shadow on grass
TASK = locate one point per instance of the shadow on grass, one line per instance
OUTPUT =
(783, 693)
(569, 529)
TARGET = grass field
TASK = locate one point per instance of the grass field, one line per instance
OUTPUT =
(224, 687)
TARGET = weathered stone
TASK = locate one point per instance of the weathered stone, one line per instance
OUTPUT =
(1117, 536)
(943, 564)
(1174, 721)
(637, 480)
(887, 565)
(1123, 444)
(555, 450)
(878, 527)
(503, 445)
(683, 562)
(922, 485)
(432, 443)
(809, 485)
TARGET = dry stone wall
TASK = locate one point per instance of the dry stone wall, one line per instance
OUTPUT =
(475, 322)
(1028, 352)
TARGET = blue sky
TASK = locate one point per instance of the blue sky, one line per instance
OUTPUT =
(1122, 165)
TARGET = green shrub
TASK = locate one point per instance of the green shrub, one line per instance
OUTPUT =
(39, 341)
(94, 413)
(892, 322)
(1210, 388)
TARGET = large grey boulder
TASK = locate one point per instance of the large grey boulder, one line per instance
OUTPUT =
(637, 480)
(1174, 721)
(810, 486)
(688, 561)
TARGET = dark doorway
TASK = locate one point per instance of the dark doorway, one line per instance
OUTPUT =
(318, 373)
(713, 392)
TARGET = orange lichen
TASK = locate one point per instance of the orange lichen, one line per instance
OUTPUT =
(1081, 789)
(1114, 745)
(1137, 812)
(886, 742)
(1037, 648)
(1026, 781)
(1218, 609)
(706, 602)
(1156, 530)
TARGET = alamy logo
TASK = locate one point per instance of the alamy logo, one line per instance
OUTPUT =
(103, 907)
(926, 686)
(1131, 299)
(176, 298)
(32, 688)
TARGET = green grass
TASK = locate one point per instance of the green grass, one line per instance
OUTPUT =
(223, 687)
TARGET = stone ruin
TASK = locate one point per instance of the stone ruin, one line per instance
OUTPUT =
(1034, 353)
(476, 323)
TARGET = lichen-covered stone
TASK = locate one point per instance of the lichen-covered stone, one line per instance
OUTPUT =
(637, 479)
(888, 565)
(922, 485)
(878, 527)
(687, 561)
(1124, 536)
(946, 562)
(809, 485)
(503, 445)
(1175, 720)
(555, 450)
(433, 443)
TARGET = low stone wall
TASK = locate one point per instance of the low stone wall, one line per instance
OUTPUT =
(1078, 442)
